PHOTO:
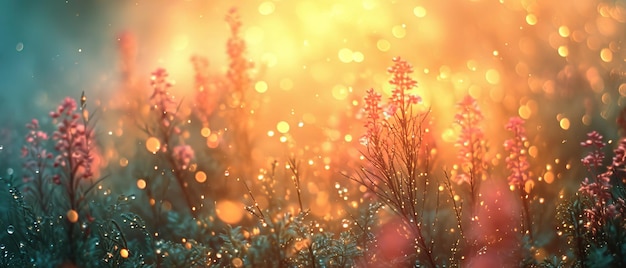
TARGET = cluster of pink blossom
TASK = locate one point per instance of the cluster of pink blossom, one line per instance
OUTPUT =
(183, 154)
(402, 82)
(595, 158)
(207, 89)
(161, 100)
(399, 99)
(599, 189)
(470, 141)
(168, 126)
(600, 186)
(239, 65)
(372, 113)
(619, 157)
(517, 158)
(73, 141)
(35, 154)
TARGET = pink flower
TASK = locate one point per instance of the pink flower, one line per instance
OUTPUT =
(619, 157)
(207, 95)
(402, 82)
(73, 141)
(595, 158)
(517, 160)
(372, 112)
(183, 154)
(599, 189)
(399, 99)
(161, 100)
(470, 141)
(34, 152)
(239, 65)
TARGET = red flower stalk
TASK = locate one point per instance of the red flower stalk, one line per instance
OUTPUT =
(73, 142)
(600, 187)
(165, 110)
(470, 142)
(77, 158)
(517, 158)
(595, 158)
(599, 190)
(471, 149)
(36, 163)
(517, 163)
(238, 67)
(207, 94)
(619, 158)
(402, 82)
(397, 155)
(238, 84)
(372, 112)
(162, 101)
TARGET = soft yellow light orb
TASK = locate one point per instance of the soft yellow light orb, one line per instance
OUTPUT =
(531, 19)
(564, 31)
(606, 55)
(492, 76)
(564, 123)
(205, 132)
(399, 31)
(419, 11)
(383, 45)
(358, 56)
(153, 145)
(563, 51)
(345, 55)
(261, 87)
(524, 112)
(282, 127)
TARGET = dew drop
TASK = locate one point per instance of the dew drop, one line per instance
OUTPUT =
(10, 229)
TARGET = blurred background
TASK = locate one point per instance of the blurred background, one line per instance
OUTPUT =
(557, 64)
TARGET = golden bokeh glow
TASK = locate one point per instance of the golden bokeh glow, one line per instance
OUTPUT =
(230, 212)
(124, 253)
(153, 145)
(141, 184)
(200, 176)
(282, 127)
(72, 216)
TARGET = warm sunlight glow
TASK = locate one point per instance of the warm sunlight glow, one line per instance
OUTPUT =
(313, 133)
(230, 212)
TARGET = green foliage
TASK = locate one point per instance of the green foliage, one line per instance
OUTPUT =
(189, 253)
